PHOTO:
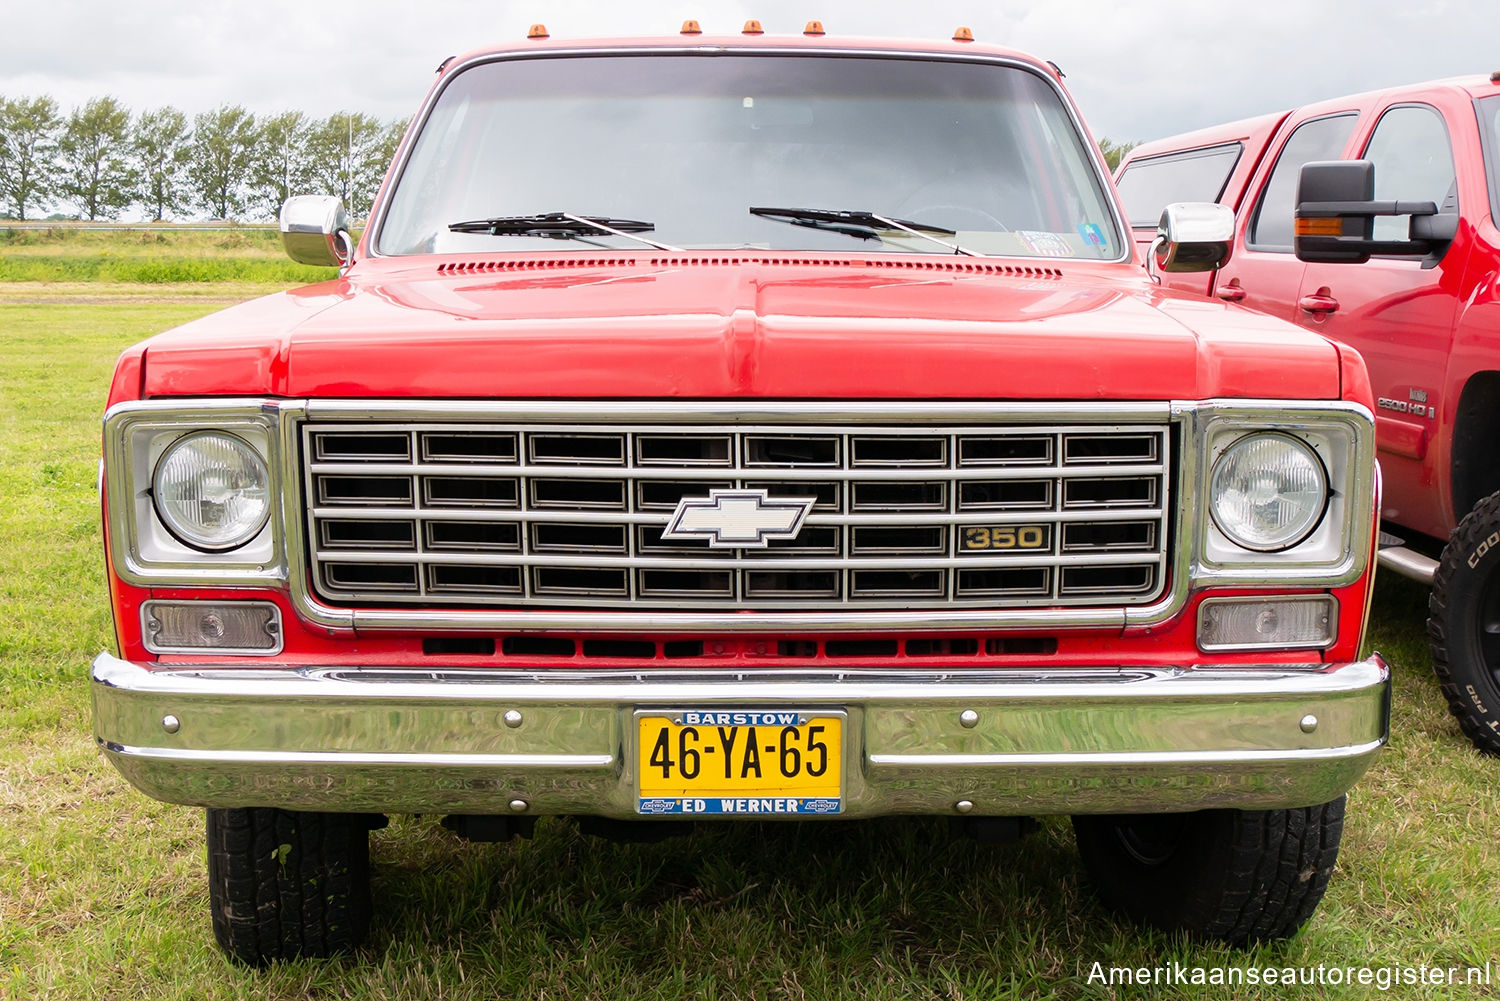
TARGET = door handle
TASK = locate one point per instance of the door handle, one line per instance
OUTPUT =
(1319, 302)
(1231, 292)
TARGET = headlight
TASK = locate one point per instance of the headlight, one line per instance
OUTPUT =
(1268, 492)
(212, 490)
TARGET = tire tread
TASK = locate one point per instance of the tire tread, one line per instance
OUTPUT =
(284, 884)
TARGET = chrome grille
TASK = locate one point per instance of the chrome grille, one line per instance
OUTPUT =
(572, 515)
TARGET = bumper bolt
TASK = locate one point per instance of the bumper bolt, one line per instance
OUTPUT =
(963, 806)
(518, 805)
(1309, 723)
(512, 718)
(968, 718)
(171, 723)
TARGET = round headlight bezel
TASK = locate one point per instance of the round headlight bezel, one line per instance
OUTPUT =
(1304, 529)
(185, 534)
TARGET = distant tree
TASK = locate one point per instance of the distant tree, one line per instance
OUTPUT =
(282, 164)
(96, 172)
(221, 155)
(1114, 152)
(160, 144)
(349, 155)
(29, 130)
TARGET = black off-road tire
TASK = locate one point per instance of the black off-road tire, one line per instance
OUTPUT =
(1464, 624)
(1236, 876)
(284, 884)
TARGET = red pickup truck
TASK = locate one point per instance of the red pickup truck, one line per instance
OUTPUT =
(1424, 311)
(744, 427)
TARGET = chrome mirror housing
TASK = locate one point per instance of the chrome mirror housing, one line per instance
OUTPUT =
(315, 230)
(1193, 236)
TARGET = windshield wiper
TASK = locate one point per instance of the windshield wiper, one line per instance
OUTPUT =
(863, 225)
(560, 226)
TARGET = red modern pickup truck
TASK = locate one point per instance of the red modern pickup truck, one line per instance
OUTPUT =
(744, 427)
(1424, 311)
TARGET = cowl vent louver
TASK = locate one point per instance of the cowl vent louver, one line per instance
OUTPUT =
(922, 264)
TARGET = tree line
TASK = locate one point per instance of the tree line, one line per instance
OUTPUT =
(100, 159)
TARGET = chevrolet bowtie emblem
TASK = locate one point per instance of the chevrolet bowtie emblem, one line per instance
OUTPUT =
(738, 519)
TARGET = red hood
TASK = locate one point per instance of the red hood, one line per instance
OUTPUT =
(734, 326)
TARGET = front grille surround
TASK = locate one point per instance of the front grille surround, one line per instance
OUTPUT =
(497, 514)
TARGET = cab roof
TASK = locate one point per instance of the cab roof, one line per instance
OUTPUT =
(829, 42)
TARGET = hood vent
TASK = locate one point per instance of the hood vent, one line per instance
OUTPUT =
(943, 264)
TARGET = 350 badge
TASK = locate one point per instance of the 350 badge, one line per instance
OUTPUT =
(977, 537)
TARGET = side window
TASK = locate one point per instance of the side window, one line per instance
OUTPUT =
(1196, 175)
(1319, 139)
(1488, 110)
(1413, 162)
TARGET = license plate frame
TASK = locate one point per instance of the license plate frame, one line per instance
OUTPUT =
(722, 737)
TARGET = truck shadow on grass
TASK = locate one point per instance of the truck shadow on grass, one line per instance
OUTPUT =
(739, 903)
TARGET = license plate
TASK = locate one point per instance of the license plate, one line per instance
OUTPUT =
(760, 762)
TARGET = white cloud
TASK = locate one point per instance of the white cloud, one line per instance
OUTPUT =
(1139, 68)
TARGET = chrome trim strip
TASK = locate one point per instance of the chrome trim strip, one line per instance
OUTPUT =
(710, 415)
(1126, 758)
(1101, 174)
(917, 518)
(879, 474)
(345, 759)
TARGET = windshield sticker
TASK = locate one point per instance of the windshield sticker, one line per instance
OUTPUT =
(1091, 233)
(1045, 244)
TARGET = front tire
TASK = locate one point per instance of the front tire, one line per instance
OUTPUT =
(1237, 876)
(284, 884)
(1464, 624)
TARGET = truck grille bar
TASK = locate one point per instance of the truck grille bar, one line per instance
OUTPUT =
(505, 515)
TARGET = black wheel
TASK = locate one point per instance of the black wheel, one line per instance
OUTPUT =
(284, 884)
(1464, 624)
(1238, 876)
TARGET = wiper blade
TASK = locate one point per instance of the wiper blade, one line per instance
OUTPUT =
(863, 225)
(560, 226)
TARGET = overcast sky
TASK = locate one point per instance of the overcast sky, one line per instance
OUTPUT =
(1140, 69)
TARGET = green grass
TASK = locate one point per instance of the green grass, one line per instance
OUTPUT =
(103, 895)
(155, 256)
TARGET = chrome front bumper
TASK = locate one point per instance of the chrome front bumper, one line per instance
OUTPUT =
(450, 741)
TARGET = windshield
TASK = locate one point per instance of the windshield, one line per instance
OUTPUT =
(691, 142)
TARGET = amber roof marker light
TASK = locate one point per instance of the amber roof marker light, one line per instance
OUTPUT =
(962, 34)
(537, 31)
(752, 27)
(691, 27)
(814, 28)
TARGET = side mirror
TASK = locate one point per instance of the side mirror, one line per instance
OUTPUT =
(315, 230)
(1193, 236)
(1335, 218)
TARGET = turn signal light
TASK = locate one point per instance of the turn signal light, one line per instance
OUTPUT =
(243, 627)
(1291, 623)
(1329, 226)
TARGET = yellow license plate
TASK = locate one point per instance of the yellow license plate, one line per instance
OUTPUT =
(738, 761)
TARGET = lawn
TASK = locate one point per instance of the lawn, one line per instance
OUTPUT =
(103, 895)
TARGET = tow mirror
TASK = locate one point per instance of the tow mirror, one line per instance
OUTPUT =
(315, 230)
(1193, 236)
(1335, 218)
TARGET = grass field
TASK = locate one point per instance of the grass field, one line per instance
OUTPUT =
(103, 895)
(150, 257)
